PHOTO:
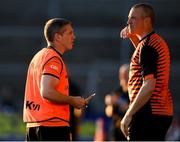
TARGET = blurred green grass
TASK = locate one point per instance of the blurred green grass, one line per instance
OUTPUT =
(11, 125)
(87, 130)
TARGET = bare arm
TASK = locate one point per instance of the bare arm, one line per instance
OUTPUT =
(141, 99)
(48, 91)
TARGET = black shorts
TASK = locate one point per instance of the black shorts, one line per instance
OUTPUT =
(43, 133)
(149, 127)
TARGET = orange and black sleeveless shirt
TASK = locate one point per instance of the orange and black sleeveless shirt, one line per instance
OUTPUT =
(37, 110)
(151, 59)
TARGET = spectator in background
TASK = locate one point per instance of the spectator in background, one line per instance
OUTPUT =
(75, 113)
(117, 103)
(150, 112)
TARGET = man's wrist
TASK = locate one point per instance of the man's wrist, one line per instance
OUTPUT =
(70, 100)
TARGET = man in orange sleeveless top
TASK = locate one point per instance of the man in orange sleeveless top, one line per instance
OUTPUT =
(151, 109)
(47, 100)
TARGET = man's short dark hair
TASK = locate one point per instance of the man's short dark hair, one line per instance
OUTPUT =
(148, 9)
(54, 26)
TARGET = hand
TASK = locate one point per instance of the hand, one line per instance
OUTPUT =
(79, 102)
(89, 98)
(125, 125)
(124, 33)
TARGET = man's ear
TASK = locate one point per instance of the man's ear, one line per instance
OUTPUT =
(147, 20)
(57, 36)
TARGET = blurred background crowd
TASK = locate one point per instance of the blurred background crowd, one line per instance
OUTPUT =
(97, 64)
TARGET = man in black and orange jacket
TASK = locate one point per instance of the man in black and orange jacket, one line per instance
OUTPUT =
(151, 108)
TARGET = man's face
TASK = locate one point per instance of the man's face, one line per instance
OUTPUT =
(136, 21)
(68, 37)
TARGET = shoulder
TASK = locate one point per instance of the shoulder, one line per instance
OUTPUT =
(156, 41)
(50, 54)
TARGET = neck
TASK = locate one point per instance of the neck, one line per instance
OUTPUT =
(143, 34)
(58, 48)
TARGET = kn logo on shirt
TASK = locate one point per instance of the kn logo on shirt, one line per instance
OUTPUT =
(32, 106)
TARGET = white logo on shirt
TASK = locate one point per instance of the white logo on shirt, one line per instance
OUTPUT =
(53, 67)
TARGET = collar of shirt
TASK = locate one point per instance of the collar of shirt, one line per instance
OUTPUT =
(148, 35)
(55, 50)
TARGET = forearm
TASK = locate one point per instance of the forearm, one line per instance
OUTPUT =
(142, 97)
(56, 97)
